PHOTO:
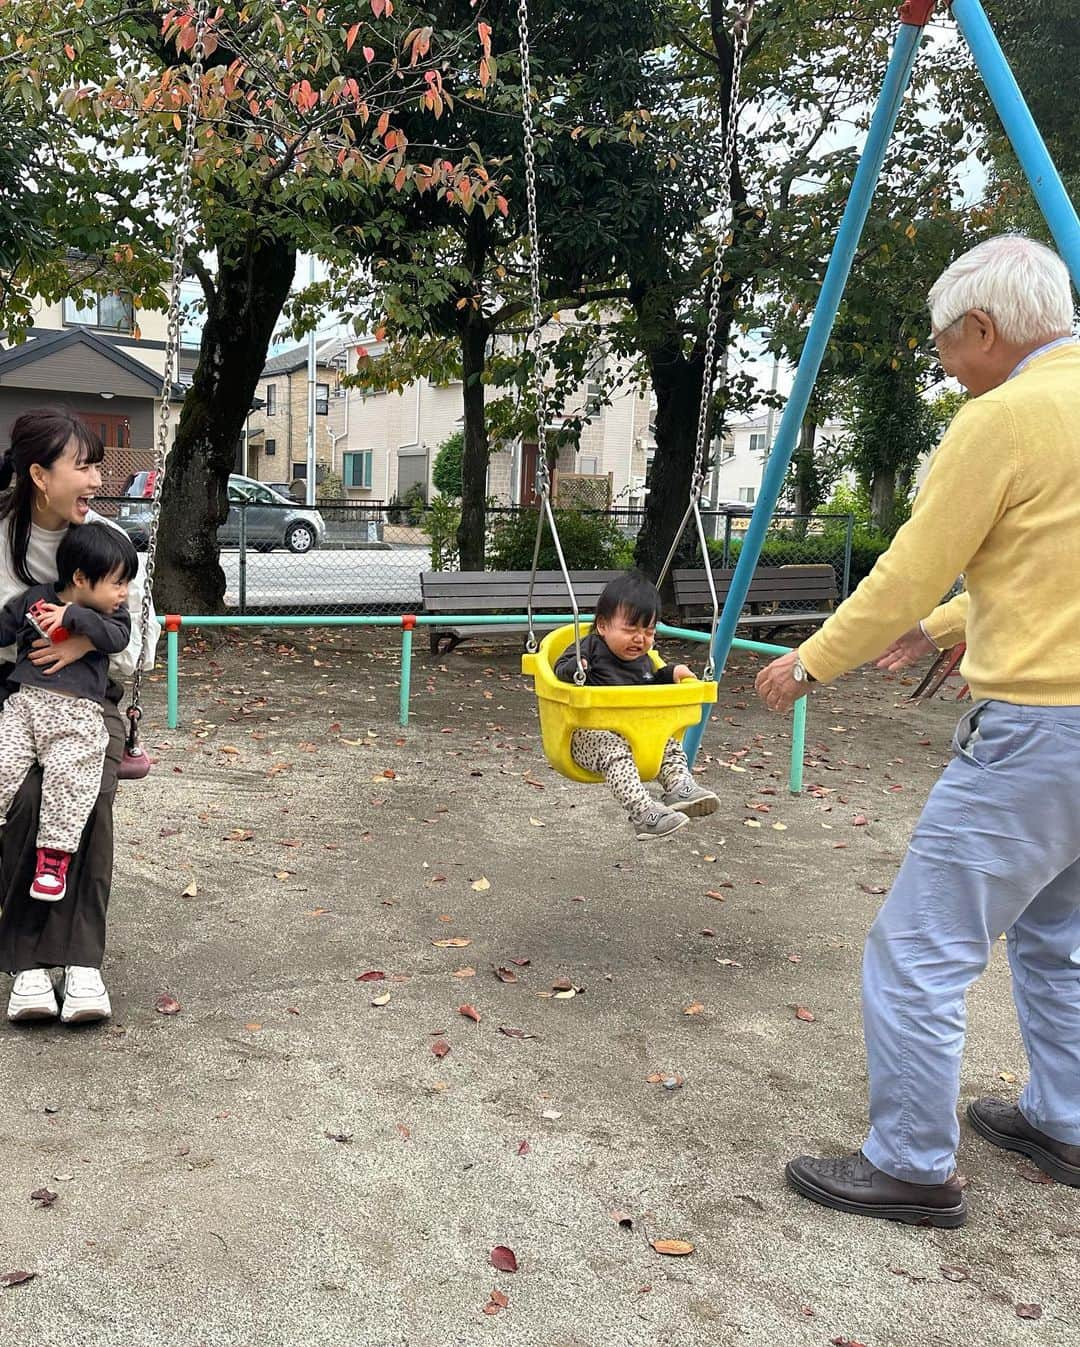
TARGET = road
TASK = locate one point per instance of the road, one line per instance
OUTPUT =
(324, 579)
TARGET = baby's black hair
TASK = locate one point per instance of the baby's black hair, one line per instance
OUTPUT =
(98, 550)
(634, 596)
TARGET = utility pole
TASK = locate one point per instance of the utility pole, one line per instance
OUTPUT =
(312, 375)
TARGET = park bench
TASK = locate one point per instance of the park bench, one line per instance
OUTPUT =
(503, 592)
(778, 597)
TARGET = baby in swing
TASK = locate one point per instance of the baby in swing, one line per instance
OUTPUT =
(56, 719)
(616, 654)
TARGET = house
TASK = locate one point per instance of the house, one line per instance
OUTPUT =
(739, 459)
(103, 359)
(277, 428)
(392, 439)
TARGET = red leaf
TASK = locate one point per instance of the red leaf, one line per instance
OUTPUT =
(440, 1048)
(807, 1016)
(504, 1259)
(521, 963)
(505, 974)
(17, 1277)
(372, 975)
(167, 1005)
(470, 1013)
(350, 36)
(859, 821)
(523, 1149)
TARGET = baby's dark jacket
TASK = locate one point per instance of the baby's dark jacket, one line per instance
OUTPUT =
(605, 670)
(86, 677)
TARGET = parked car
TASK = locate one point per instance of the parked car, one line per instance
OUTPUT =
(269, 519)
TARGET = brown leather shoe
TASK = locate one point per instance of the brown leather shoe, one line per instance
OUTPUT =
(1005, 1126)
(854, 1184)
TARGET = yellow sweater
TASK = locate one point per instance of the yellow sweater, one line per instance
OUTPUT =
(1001, 503)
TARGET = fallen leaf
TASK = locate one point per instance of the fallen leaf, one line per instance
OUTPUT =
(383, 999)
(1032, 1175)
(16, 1278)
(253, 1027)
(514, 1033)
(239, 835)
(481, 885)
(464, 973)
(674, 1248)
(440, 1048)
(859, 821)
(45, 1196)
(167, 1005)
(728, 963)
(551, 1115)
(952, 1273)
(780, 827)
(521, 963)
(873, 888)
(504, 1258)
(454, 942)
(372, 975)
(807, 1016)
(192, 891)
(846, 1342)
(695, 1009)
(536, 823)
(470, 1013)
(497, 1302)
(562, 985)
(402, 1131)
(523, 1149)
(1029, 1311)
(566, 995)
(282, 874)
(1007, 1077)
(505, 974)
(751, 823)
(343, 1137)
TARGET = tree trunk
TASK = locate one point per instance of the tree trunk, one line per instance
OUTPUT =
(250, 289)
(883, 500)
(676, 382)
(806, 477)
(474, 457)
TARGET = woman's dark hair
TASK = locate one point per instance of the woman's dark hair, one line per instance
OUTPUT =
(634, 596)
(99, 551)
(37, 437)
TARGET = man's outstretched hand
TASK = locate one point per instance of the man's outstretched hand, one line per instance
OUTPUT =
(905, 651)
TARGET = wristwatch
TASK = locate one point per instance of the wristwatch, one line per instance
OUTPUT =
(801, 673)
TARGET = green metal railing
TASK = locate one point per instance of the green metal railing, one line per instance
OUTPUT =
(408, 623)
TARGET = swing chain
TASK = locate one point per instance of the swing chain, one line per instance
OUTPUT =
(181, 227)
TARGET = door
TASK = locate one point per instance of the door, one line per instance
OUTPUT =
(115, 431)
(265, 517)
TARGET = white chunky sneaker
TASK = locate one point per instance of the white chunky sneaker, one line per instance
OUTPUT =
(692, 800)
(32, 996)
(85, 997)
(658, 822)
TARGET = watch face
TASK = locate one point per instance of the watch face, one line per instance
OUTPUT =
(798, 673)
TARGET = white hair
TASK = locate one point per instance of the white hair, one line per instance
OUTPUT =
(1021, 284)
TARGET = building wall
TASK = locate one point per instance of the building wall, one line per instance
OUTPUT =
(287, 427)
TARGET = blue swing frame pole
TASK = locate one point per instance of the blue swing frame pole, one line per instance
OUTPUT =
(1026, 140)
(897, 79)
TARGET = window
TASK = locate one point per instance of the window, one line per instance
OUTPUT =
(357, 470)
(322, 399)
(594, 387)
(747, 494)
(299, 472)
(271, 448)
(271, 399)
(758, 441)
(115, 313)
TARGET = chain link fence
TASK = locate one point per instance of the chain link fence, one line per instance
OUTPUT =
(367, 557)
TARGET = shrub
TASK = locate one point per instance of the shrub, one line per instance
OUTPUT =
(332, 487)
(441, 526)
(591, 542)
(414, 504)
(446, 472)
(828, 547)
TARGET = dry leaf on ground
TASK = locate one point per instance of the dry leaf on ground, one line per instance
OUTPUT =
(674, 1248)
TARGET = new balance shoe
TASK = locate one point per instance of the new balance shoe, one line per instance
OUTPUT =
(32, 996)
(85, 997)
(659, 821)
(692, 800)
(50, 876)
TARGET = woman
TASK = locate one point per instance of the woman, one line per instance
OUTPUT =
(48, 477)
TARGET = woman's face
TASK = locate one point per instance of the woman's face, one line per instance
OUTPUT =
(65, 490)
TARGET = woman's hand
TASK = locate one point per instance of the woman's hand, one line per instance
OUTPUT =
(905, 651)
(51, 658)
(681, 672)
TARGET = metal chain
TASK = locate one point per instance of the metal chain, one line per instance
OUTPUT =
(724, 235)
(181, 229)
(529, 137)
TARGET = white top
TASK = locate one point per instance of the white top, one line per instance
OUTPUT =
(41, 561)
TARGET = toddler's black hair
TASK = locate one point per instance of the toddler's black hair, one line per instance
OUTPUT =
(633, 595)
(98, 550)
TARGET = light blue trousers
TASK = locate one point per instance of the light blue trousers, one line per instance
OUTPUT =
(997, 849)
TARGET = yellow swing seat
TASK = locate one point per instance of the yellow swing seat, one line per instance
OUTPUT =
(646, 717)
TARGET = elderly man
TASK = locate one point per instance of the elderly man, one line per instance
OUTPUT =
(997, 848)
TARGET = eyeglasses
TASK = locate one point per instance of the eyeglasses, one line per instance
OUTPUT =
(930, 346)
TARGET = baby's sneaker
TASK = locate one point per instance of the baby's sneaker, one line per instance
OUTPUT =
(50, 876)
(659, 821)
(691, 799)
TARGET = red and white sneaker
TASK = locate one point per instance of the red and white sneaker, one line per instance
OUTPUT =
(50, 877)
